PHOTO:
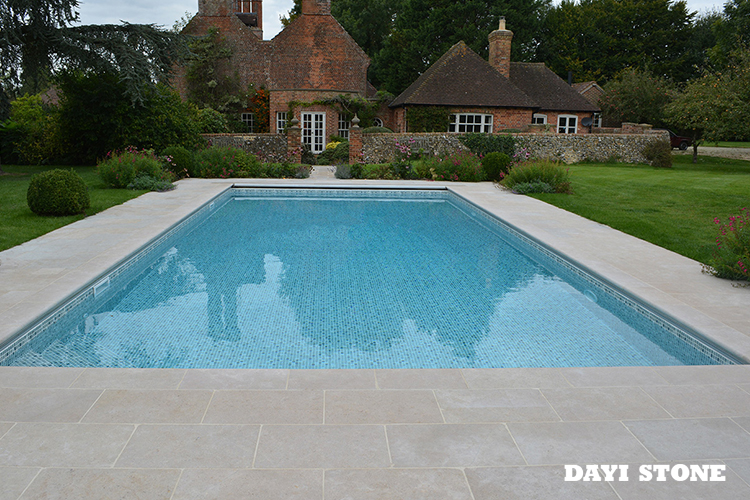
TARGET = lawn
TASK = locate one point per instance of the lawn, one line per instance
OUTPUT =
(673, 208)
(19, 224)
(727, 144)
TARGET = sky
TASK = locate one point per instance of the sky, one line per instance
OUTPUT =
(166, 12)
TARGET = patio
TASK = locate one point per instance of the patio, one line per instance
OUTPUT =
(367, 434)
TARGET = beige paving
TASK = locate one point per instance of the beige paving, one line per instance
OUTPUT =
(90, 433)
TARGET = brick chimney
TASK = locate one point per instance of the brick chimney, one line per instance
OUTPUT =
(316, 7)
(500, 49)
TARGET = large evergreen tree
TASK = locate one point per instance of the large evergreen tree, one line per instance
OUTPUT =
(37, 39)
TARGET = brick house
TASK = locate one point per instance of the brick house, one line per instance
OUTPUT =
(309, 61)
(592, 92)
(314, 59)
(489, 96)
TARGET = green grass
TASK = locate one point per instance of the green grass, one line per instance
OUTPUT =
(727, 144)
(673, 208)
(19, 224)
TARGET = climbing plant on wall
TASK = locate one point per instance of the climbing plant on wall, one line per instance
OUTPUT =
(210, 82)
(427, 119)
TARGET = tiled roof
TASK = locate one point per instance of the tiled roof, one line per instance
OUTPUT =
(546, 88)
(462, 78)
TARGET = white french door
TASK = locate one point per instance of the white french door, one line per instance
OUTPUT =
(314, 131)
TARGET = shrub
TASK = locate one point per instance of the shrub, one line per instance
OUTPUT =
(179, 161)
(377, 130)
(343, 172)
(119, 169)
(57, 192)
(459, 166)
(496, 165)
(211, 121)
(326, 157)
(484, 144)
(533, 187)
(341, 153)
(658, 154)
(224, 162)
(731, 257)
(96, 115)
(146, 183)
(37, 140)
(307, 157)
(543, 171)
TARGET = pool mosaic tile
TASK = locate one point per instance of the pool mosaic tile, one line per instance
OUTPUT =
(310, 278)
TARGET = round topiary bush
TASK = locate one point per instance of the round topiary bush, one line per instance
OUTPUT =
(57, 192)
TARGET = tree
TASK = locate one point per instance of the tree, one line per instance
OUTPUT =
(595, 39)
(731, 29)
(716, 106)
(425, 29)
(369, 22)
(294, 12)
(37, 40)
(94, 102)
(638, 97)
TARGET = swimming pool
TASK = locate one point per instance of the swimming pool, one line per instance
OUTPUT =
(302, 278)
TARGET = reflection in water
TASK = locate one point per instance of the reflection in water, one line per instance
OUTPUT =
(283, 283)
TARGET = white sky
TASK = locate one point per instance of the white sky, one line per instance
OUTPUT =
(167, 12)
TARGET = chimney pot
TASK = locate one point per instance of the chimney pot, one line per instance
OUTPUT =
(500, 41)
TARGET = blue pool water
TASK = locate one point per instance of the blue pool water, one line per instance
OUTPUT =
(351, 279)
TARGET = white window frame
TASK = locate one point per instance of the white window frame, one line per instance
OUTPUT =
(470, 122)
(538, 119)
(249, 120)
(597, 120)
(243, 6)
(563, 124)
(377, 122)
(314, 131)
(344, 124)
(281, 118)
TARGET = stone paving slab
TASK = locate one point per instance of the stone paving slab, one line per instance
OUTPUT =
(476, 434)
(377, 451)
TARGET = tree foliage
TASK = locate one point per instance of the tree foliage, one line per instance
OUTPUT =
(210, 80)
(293, 13)
(732, 30)
(37, 40)
(637, 97)
(92, 103)
(595, 39)
(424, 30)
(716, 107)
(369, 22)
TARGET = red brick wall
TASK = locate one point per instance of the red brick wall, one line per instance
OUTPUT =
(251, 57)
(502, 118)
(553, 115)
(315, 52)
